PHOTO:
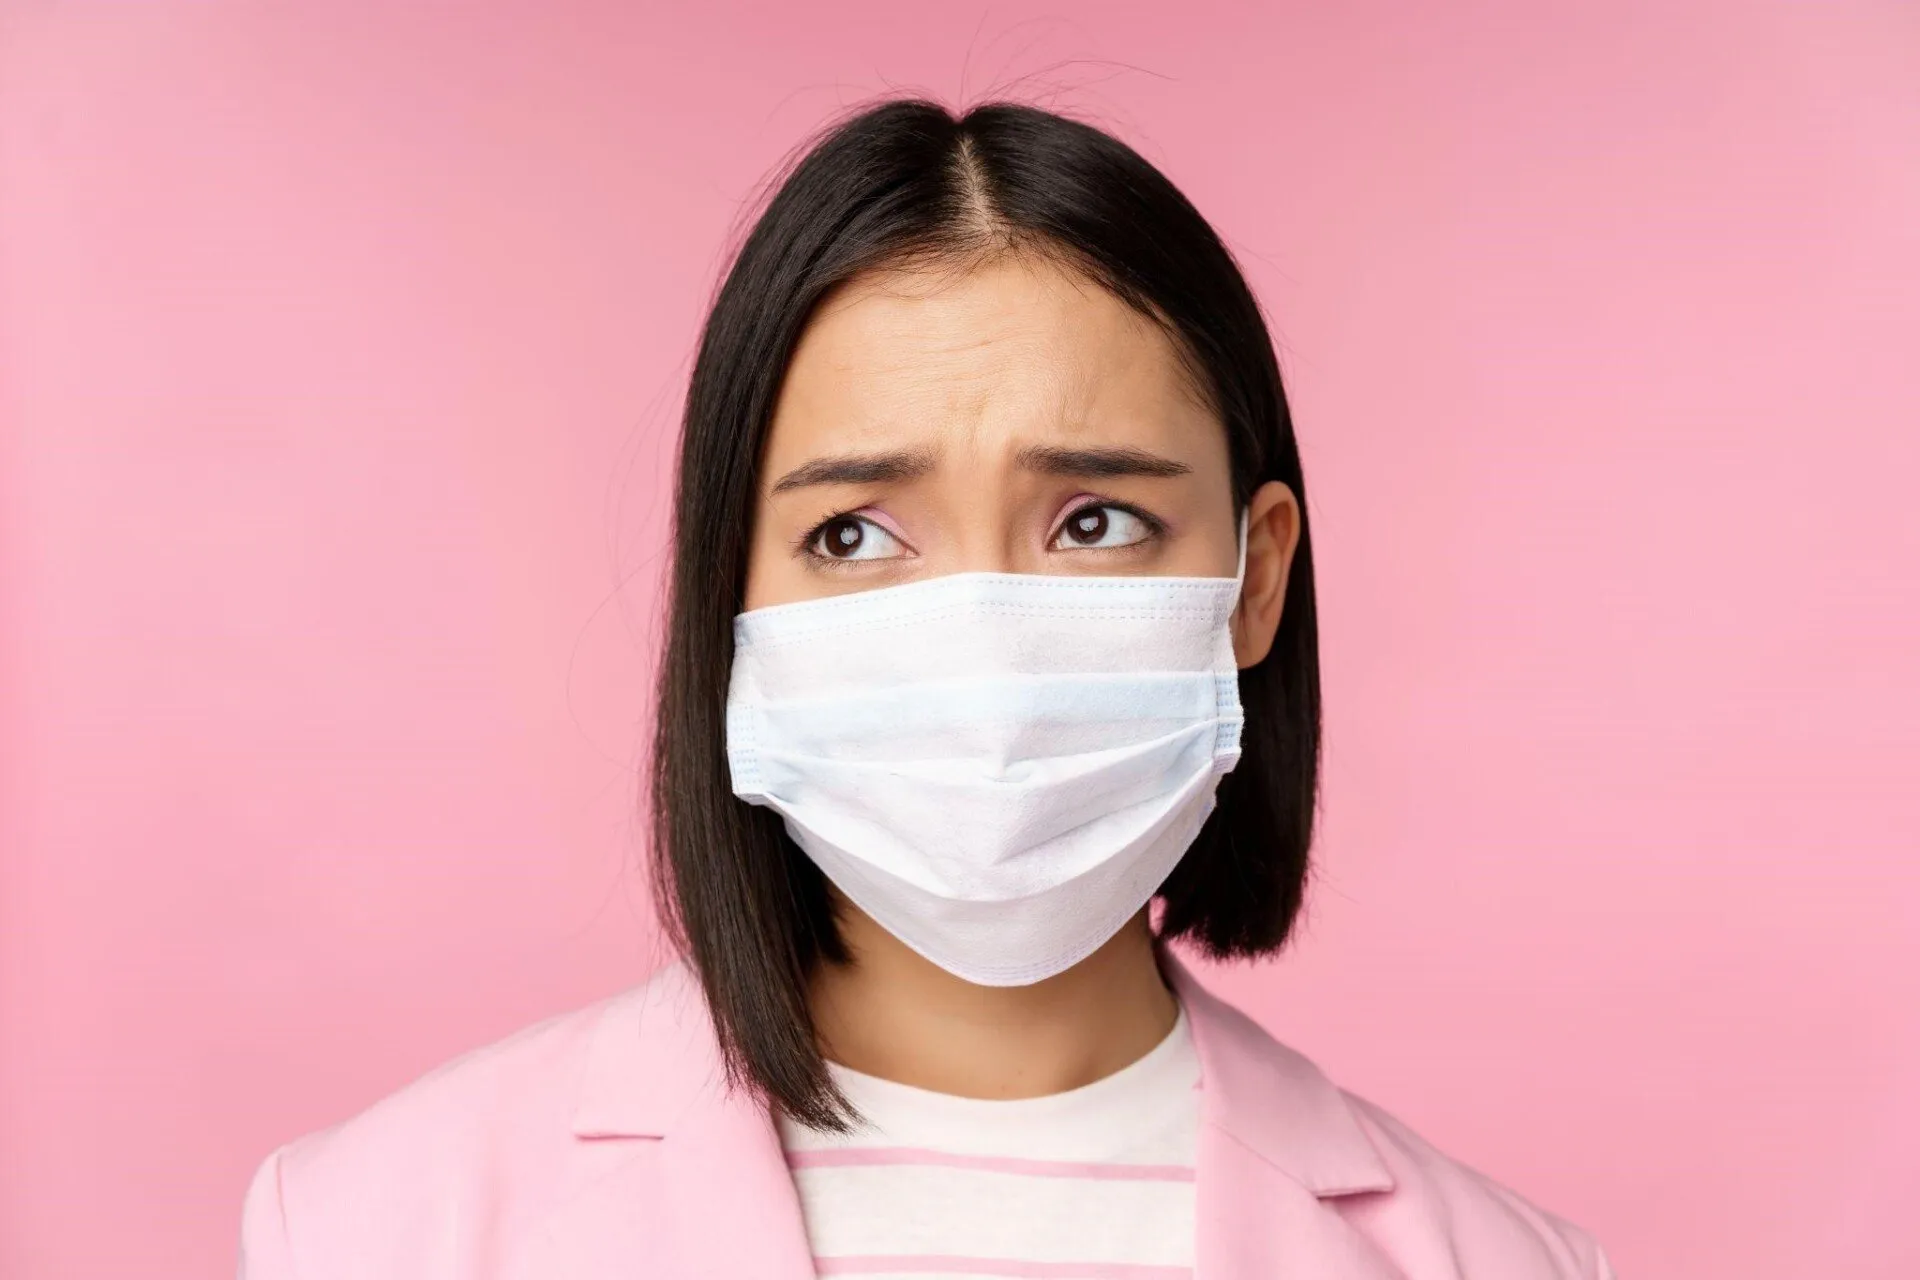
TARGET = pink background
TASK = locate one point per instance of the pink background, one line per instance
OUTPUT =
(342, 347)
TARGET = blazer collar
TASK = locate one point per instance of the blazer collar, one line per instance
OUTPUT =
(702, 1158)
(1273, 1100)
(653, 1057)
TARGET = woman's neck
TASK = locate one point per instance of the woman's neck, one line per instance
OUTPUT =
(893, 1014)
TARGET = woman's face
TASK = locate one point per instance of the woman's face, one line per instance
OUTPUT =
(1018, 419)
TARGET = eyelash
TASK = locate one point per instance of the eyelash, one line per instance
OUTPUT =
(1155, 528)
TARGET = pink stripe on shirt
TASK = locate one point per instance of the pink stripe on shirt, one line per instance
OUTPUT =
(857, 1157)
(868, 1265)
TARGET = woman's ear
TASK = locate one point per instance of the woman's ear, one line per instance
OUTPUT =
(1273, 531)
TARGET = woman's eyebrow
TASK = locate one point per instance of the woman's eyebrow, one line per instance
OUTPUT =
(859, 468)
(1055, 460)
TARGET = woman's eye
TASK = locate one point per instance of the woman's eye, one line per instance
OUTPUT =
(1101, 526)
(853, 538)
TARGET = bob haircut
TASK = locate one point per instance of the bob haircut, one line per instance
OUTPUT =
(907, 185)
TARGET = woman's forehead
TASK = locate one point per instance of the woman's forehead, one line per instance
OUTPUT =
(1009, 355)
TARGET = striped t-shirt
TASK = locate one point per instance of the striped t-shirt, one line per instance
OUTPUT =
(1092, 1184)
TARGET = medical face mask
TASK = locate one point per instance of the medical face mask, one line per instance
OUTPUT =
(999, 768)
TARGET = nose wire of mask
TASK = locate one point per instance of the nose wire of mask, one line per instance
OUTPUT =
(1001, 769)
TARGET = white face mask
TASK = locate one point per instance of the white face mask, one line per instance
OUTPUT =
(999, 768)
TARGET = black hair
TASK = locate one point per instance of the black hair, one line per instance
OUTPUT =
(901, 184)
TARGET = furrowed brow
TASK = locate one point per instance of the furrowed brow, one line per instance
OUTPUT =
(1098, 463)
(858, 468)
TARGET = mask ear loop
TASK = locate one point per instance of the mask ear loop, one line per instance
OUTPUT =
(1240, 565)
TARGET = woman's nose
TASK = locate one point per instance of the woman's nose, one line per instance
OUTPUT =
(982, 545)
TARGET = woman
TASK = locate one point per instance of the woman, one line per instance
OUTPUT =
(992, 668)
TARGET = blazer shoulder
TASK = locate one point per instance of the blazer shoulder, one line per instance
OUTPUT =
(461, 1106)
(487, 1127)
(1490, 1228)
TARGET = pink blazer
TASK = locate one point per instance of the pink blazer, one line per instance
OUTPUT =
(602, 1144)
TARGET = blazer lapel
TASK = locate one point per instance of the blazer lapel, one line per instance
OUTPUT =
(734, 1212)
(1256, 1223)
(1278, 1145)
(675, 1174)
